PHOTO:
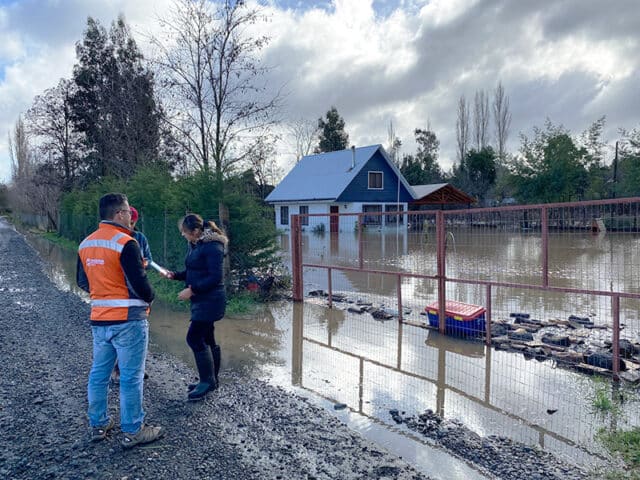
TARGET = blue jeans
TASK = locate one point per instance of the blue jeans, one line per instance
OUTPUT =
(128, 343)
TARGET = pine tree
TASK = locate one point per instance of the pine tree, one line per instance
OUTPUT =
(114, 104)
(332, 135)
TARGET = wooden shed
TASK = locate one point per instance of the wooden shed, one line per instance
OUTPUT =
(439, 194)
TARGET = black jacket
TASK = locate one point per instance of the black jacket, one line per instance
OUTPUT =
(204, 274)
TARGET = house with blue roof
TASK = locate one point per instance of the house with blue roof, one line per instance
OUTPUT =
(355, 180)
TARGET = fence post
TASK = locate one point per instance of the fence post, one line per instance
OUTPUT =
(544, 216)
(399, 292)
(360, 242)
(330, 287)
(615, 310)
(441, 252)
(296, 257)
(164, 237)
(487, 319)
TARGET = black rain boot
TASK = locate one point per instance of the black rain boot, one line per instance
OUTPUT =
(204, 363)
(215, 353)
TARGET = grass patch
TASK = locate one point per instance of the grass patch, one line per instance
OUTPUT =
(607, 401)
(625, 444)
(63, 242)
(616, 475)
(242, 303)
(602, 403)
(167, 290)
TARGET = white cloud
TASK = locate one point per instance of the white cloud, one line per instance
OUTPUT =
(404, 60)
(38, 49)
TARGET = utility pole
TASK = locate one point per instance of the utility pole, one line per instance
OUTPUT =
(615, 172)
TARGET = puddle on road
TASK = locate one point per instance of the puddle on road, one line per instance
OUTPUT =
(334, 356)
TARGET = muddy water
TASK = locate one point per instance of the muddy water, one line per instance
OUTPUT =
(609, 262)
(335, 356)
(493, 392)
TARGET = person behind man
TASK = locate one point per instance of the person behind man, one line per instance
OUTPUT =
(141, 239)
(110, 269)
(143, 243)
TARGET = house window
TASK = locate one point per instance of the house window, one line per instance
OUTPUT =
(371, 219)
(304, 210)
(284, 215)
(393, 219)
(375, 180)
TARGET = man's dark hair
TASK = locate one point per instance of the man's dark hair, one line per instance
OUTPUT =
(110, 204)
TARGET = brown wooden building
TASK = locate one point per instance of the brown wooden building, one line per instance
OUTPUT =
(442, 195)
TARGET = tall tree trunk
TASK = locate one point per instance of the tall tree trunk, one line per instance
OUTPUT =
(223, 221)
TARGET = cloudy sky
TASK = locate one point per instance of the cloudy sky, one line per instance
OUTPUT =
(380, 61)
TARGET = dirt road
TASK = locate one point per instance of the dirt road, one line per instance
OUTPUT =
(247, 429)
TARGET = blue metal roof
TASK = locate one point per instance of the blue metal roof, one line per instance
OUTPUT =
(324, 176)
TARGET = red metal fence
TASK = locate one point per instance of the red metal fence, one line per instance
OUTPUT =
(540, 274)
(553, 253)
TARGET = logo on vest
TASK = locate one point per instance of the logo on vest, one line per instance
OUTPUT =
(92, 262)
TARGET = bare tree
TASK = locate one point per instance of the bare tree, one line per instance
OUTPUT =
(265, 169)
(305, 136)
(393, 144)
(481, 114)
(462, 129)
(216, 100)
(502, 120)
(49, 121)
(34, 189)
(20, 152)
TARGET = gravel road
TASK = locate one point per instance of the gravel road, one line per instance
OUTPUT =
(247, 429)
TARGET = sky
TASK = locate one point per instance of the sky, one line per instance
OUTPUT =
(405, 62)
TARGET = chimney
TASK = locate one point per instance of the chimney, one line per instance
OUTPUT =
(353, 156)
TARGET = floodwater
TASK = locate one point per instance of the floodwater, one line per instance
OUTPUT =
(606, 262)
(336, 356)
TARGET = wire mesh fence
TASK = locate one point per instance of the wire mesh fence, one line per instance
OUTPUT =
(539, 299)
(167, 245)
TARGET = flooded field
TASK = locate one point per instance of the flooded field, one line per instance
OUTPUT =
(605, 263)
(338, 357)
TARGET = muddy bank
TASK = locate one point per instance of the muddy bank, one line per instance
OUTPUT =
(247, 429)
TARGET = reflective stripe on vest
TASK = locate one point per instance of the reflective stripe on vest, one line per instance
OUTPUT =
(132, 302)
(100, 253)
(110, 244)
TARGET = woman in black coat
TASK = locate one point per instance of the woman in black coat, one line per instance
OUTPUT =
(204, 287)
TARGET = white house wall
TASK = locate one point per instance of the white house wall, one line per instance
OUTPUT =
(346, 222)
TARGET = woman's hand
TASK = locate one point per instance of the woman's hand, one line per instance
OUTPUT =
(167, 274)
(185, 294)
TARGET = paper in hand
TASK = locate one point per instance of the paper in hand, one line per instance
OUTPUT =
(161, 270)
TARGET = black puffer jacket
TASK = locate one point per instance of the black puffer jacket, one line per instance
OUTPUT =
(204, 274)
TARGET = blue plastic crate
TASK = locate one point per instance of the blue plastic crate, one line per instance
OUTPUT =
(462, 319)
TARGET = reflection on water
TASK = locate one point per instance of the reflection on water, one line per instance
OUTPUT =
(374, 366)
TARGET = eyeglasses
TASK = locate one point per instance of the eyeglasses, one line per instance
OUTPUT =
(126, 211)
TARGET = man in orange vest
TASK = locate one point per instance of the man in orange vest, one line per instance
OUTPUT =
(110, 269)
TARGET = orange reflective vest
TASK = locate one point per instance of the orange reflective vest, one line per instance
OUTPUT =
(111, 298)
